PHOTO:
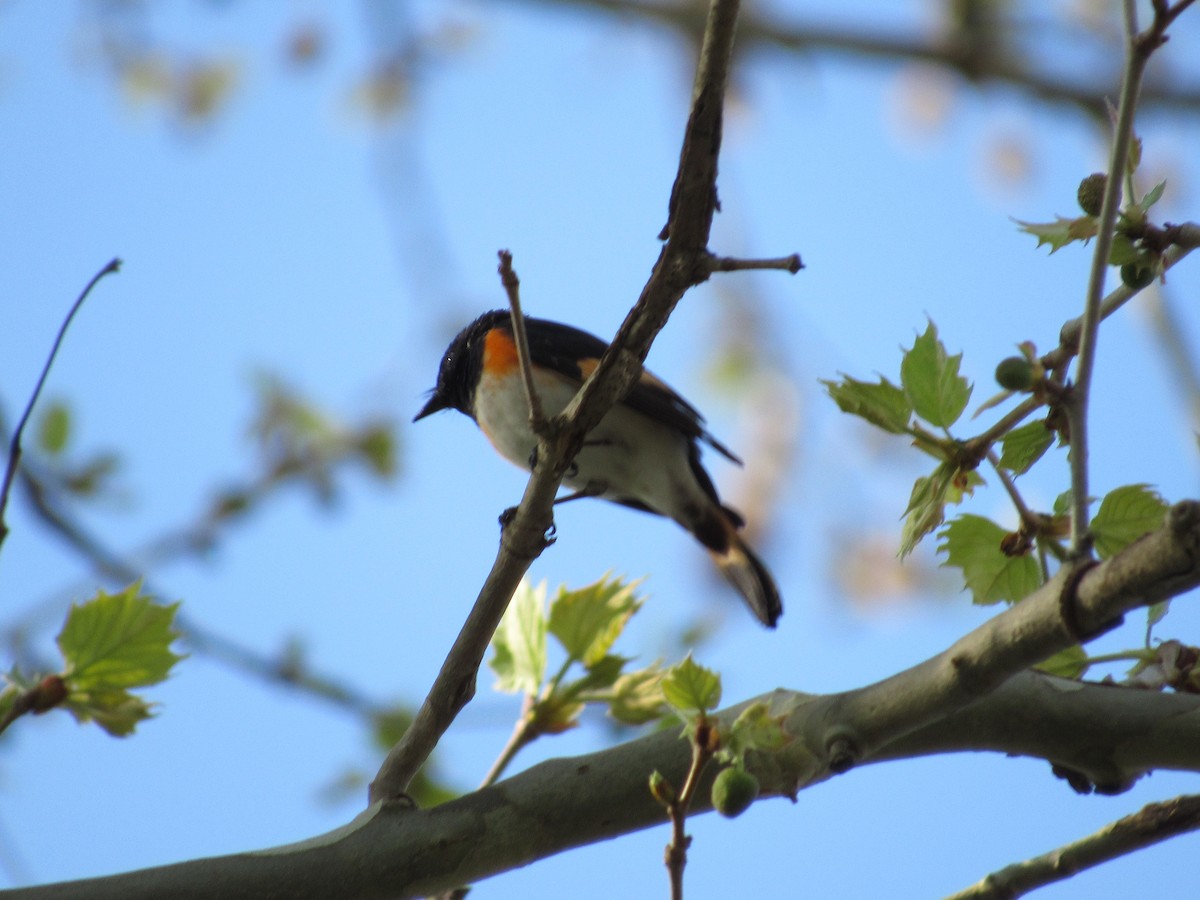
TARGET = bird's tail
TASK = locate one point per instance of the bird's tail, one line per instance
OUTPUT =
(746, 572)
(718, 531)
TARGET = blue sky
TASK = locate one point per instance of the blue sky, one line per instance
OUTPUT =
(289, 234)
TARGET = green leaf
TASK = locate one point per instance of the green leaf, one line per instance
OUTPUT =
(972, 544)
(600, 675)
(637, 697)
(519, 645)
(117, 641)
(1063, 503)
(931, 381)
(587, 621)
(754, 729)
(1061, 231)
(1069, 663)
(1152, 197)
(691, 688)
(1134, 159)
(1125, 514)
(1156, 612)
(116, 711)
(1022, 447)
(927, 503)
(54, 429)
(1123, 251)
(883, 405)
(557, 713)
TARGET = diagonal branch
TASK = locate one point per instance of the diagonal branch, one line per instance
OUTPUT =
(1150, 825)
(14, 447)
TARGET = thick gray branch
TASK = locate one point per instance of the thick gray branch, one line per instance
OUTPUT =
(973, 697)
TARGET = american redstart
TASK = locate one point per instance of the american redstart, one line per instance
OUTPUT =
(644, 453)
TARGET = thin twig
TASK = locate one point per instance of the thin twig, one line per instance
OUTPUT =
(523, 734)
(1151, 824)
(733, 264)
(764, 31)
(675, 855)
(1137, 55)
(1029, 519)
(512, 287)
(14, 448)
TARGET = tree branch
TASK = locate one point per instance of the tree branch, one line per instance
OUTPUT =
(1138, 52)
(972, 697)
(14, 447)
(1153, 823)
(957, 51)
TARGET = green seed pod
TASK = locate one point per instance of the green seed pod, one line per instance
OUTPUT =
(1015, 374)
(1136, 276)
(1091, 193)
(733, 791)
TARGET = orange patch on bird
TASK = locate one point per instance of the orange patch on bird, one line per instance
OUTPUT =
(499, 352)
(587, 366)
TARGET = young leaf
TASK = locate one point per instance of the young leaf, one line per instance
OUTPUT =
(637, 697)
(557, 713)
(54, 429)
(754, 729)
(117, 641)
(116, 711)
(972, 544)
(587, 621)
(883, 405)
(600, 675)
(1022, 447)
(1061, 231)
(1125, 514)
(519, 645)
(931, 381)
(1152, 197)
(927, 503)
(1070, 663)
(691, 688)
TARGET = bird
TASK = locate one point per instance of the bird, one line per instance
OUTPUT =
(644, 453)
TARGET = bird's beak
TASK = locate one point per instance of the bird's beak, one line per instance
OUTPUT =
(436, 404)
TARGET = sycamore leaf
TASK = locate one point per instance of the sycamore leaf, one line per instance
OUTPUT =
(754, 729)
(1022, 447)
(1124, 251)
(599, 676)
(1152, 197)
(519, 645)
(116, 711)
(117, 641)
(883, 405)
(54, 429)
(637, 697)
(1125, 514)
(972, 544)
(691, 688)
(557, 713)
(1061, 231)
(588, 620)
(931, 381)
(927, 503)
(1070, 663)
